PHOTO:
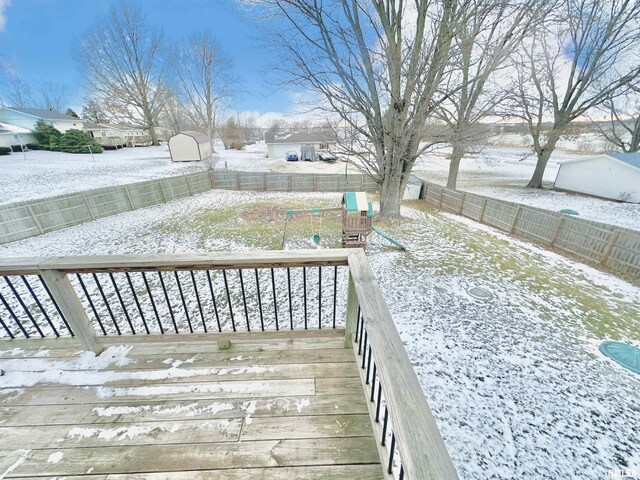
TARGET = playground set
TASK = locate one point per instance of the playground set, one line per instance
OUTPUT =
(357, 221)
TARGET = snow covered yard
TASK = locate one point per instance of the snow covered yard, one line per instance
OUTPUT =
(502, 172)
(46, 174)
(517, 384)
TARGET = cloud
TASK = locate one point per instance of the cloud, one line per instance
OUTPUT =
(3, 17)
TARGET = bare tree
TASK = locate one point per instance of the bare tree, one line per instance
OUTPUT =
(51, 95)
(231, 135)
(19, 94)
(203, 80)
(378, 65)
(481, 48)
(623, 129)
(126, 72)
(572, 66)
(175, 114)
(94, 112)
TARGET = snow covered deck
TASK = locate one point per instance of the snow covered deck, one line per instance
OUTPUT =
(285, 405)
(265, 364)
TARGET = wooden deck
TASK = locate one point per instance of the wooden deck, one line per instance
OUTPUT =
(273, 405)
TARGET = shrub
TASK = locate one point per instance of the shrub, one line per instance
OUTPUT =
(5, 150)
(77, 141)
(33, 146)
(46, 135)
(16, 148)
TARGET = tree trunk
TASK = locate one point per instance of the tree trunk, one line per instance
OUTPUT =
(154, 135)
(543, 157)
(456, 155)
(391, 194)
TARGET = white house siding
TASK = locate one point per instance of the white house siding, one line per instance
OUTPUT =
(8, 139)
(601, 176)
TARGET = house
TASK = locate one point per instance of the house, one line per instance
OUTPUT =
(106, 135)
(611, 175)
(278, 144)
(190, 146)
(117, 135)
(28, 117)
(14, 135)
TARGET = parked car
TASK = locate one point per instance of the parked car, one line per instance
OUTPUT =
(326, 156)
(291, 156)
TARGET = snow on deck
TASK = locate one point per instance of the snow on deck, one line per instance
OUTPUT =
(517, 385)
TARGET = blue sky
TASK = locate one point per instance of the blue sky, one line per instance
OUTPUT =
(38, 38)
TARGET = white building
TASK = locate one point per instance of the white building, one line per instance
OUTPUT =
(28, 117)
(190, 146)
(278, 144)
(612, 175)
(13, 135)
(117, 135)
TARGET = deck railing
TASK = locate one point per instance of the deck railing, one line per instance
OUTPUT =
(89, 297)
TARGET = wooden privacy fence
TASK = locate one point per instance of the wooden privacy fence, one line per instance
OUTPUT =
(27, 219)
(237, 293)
(616, 247)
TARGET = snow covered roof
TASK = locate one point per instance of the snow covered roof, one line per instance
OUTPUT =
(42, 113)
(632, 159)
(197, 136)
(6, 128)
(301, 137)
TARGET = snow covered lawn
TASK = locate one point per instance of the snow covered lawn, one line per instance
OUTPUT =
(502, 172)
(517, 384)
(46, 174)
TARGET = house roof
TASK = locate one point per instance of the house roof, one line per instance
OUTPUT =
(301, 137)
(6, 128)
(632, 159)
(198, 136)
(43, 113)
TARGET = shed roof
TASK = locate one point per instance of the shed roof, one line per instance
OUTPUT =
(43, 113)
(197, 136)
(325, 136)
(632, 159)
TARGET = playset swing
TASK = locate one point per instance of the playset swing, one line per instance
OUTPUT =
(357, 216)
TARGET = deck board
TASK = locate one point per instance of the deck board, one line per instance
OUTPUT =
(272, 408)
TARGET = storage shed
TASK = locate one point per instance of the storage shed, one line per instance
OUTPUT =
(613, 175)
(190, 146)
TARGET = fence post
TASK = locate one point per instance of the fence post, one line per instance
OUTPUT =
(35, 219)
(189, 185)
(612, 241)
(484, 205)
(128, 195)
(68, 301)
(212, 180)
(164, 197)
(556, 230)
(462, 203)
(441, 193)
(352, 313)
(86, 202)
(515, 218)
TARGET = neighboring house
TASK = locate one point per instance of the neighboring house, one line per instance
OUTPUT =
(14, 135)
(106, 135)
(28, 117)
(278, 144)
(117, 135)
(612, 175)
